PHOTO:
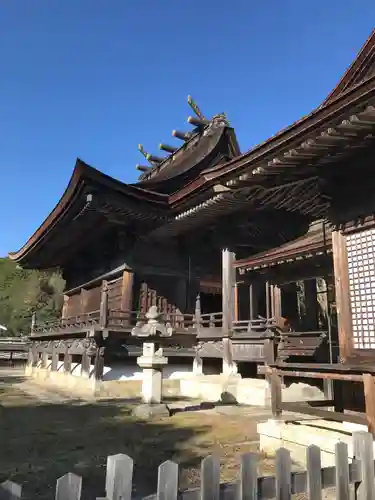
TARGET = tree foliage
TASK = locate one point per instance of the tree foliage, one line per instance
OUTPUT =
(23, 292)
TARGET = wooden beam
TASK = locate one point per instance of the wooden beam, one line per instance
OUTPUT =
(228, 282)
(343, 309)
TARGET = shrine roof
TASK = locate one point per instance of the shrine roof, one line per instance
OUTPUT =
(282, 172)
(91, 192)
(317, 241)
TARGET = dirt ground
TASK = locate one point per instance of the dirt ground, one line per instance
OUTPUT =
(44, 435)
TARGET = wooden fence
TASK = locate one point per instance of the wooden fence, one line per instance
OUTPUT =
(357, 475)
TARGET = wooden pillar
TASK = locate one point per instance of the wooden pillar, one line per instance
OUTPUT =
(54, 358)
(35, 354)
(104, 305)
(33, 322)
(197, 365)
(44, 363)
(311, 302)
(67, 360)
(30, 357)
(127, 292)
(275, 302)
(235, 303)
(64, 312)
(99, 363)
(198, 315)
(229, 366)
(228, 283)
(369, 390)
(84, 300)
(276, 392)
(85, 364)
(251, 301)
(343, 309)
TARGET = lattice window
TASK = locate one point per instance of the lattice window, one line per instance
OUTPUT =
(361, 265)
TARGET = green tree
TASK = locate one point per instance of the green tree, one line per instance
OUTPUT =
(23, 292)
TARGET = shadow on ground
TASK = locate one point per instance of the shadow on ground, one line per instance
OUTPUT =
(43, 441)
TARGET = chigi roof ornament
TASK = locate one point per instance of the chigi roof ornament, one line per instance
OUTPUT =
(199, 122)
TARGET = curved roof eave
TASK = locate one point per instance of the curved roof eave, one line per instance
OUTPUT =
(359, 64)
(82, 174)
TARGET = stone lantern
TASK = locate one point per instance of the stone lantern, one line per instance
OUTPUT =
(152, 362)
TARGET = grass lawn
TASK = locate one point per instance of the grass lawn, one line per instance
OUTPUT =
(43, 441)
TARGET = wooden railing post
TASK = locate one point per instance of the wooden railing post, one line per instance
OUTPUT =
(104, 305)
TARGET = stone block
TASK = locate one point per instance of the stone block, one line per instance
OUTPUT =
(298, 435)
(152, 385)
(149, 411)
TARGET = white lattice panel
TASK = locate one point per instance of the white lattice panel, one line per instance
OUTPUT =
(361, 265)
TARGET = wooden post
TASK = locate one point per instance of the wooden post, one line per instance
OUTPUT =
(99, 363)
(311, 301)
(343, 309)
(269, 351)
(276, 393)
(268, 305)
(276, 302)
(54, 358)
(251, 302)
(369, 390)
(85, 364)
(44, 363)
(33, 321)
(229, 366)
(64, 312)
(67, 360)
(127, 293)
(84, 300)
(228, 283)
(35, 355)
(235, 303)
(104, 305)
(198, 314)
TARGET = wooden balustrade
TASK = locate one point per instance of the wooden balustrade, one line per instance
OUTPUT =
(58, 356)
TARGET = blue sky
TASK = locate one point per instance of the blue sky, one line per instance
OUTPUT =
(93, 78)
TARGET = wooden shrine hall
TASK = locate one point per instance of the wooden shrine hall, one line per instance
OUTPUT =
(276, 243)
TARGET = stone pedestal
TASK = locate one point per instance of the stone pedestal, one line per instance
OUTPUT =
(152, 362)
